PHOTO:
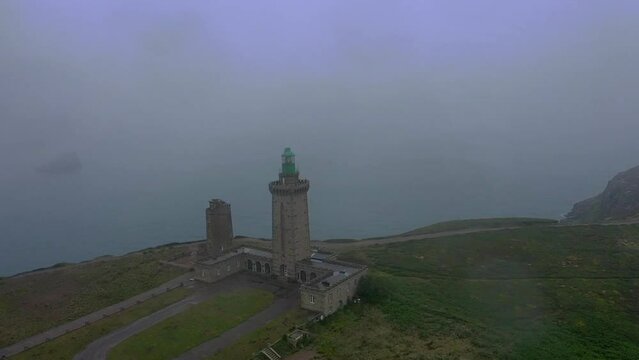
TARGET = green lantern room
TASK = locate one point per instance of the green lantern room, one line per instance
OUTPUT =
(288, 163)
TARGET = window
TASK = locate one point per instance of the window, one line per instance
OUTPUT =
(228, 268)
(267, 268)
(258, 266)
(249, 264)
(303, 276)
(311, 299)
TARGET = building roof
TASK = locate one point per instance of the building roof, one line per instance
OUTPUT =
(257, 252)
(226, 256)
(235, 252)
(320, 255)
(340, 272)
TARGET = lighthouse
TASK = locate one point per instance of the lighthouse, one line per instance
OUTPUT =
(291, 233)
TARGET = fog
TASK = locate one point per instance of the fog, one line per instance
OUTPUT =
(401, 113)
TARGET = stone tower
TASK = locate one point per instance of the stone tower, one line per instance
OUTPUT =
(219, 227)
(291, 234)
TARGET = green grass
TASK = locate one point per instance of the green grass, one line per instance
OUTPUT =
(364, 332)
(66, 346)
(194, 326)
(530, 293)
(602, 251)
(488, 223)
(258, 339)
(339, 241)
(38, 301)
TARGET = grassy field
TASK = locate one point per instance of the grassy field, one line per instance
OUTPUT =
(258, 339)
(531, 293)
(66, 346)
(194, 326)
(35, 302)
(488, 223)
(340, 241)
(457, 225)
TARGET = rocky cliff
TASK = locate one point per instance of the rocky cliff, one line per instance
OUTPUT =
(619, 201)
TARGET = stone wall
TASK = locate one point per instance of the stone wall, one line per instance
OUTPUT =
(217, 269)
(259, 265)
(220, 269)
(330, 300)
(306, 272)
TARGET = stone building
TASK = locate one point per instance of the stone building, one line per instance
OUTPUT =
(219, 227)
(326, 284)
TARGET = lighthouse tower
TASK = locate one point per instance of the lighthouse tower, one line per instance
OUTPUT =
(291, 234)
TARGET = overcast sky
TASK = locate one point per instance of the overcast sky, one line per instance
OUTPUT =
(402, 111)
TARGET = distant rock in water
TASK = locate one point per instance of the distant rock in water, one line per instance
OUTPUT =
(64, 164)
(619, 201)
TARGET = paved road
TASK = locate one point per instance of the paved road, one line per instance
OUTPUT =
(99, 349)
(95, 316)
(286, 300)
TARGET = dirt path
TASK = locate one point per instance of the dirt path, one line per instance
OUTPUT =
(337, 247)
(340, 246)
(99, 349)
(287, 300)
(91, 318)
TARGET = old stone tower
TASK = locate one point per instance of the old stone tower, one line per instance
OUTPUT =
(219, 227)
(291, 234)
(325, 283)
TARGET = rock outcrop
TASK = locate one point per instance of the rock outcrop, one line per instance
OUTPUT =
(619, 201)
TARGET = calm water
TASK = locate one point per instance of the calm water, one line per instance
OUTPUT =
(404, 115)
(103, 209)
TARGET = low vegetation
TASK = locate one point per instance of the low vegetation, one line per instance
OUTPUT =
(35, 302)
(490, 223)
(66, 346)
(340, 241)
(200, 323)
(456, 225)
(364, 332)
(249, 344)
(531, 293)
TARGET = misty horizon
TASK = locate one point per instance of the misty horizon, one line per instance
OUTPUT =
(401, 114)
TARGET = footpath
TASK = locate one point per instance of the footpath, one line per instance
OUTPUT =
(99, 349)
(91, 318)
